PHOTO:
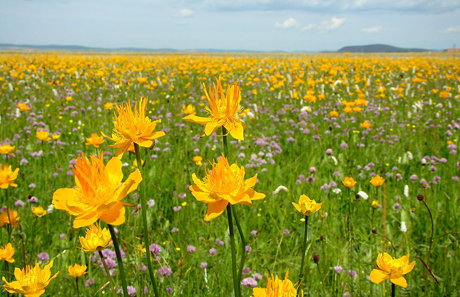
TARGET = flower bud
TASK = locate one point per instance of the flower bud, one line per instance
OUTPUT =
(316, 258)
(420, 197)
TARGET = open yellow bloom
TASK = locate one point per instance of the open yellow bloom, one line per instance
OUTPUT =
(77, 270)
(349, 182)
(197, 160)
(96, 239)
(190, 109)
(365, 125)
(94, 140)
(23, 107)
(7, 252)
(30, 281)
(222, 185)
(6, 149)
(43, 135)
(38, 211)
(377, 181)
(7, 176)
(6, 216)
(133, 127)
(393, 269)
(56, 136)
(334, 113)
(223, 111)
(277, 288)
(307, 206)
(98, 192)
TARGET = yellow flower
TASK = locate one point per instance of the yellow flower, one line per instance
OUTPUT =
(133, 127)
(347, 109)
(56, 136)
(277, 288)
(142, 80)
(222, 111)
(108, 106)
(222, 185)
(23, 107)
(348, 182)
(307, 206)
(7, 176)
(6, 216)
(6, 253)
(190, 109)
(365, 125)
(375, 204)
(98, 192)
(6, 149)
(38, 211)
(197, 160)
(96, 239)
(357, 109)
(77, 270)
(43, 135)
(30, 281)
(393, 269)
(377, 181)
(94, 140)
(140, 248)
(334, 113)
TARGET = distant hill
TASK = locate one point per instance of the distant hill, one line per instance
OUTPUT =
(379, 48)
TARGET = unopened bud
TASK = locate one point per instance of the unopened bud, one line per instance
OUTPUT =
(316, 258)
(420, 197)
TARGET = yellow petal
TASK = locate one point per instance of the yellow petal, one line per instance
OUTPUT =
(250, 182)
(60, 198)
(237, 131)
(409, 268)
(377, 276)
(113, 168)
(211, 127)
(129, 185)
(297, 207)
(196, 119)
(215, 209)
(85, 219)
(115, 216)
(400, 281)
(203, 196)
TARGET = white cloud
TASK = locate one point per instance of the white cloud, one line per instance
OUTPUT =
(453, 29)
(185, 13)
(334, 23)
(289, 23)
(372, 29)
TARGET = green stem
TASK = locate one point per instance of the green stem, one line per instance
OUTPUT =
(144, 220)
(119, 260)
(108, 274)
(78, 291)
(236, 283)
(224, 140)
(393, 290)
(243, 245)
(431, 243)
(304, 247)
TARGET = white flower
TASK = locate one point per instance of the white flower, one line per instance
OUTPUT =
(406, 191)
(279, 189)
(363, 195)
(423, 161)
(249, 114)
(125, 164)
(151, 203)
(403, 227)
(337, 191)
(306, 108)
(335, 160)
(50, 208)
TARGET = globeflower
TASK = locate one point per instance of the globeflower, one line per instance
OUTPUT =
(43, 135)
(77, 270)
(6, 149)
(393, 269)
(7, 176)
(190, 109)
(377, 181)
(30, 281)
(222, 185)
(7, 252)
(23, 107)
(96, 239)
(94, 140)
(38, 211)
(349, 182)
(223, 111)
(98, 192)
(307, 206)
(133, 127)
(334, 113)
(277, 288)
(365, 125)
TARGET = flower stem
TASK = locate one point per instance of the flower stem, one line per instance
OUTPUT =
(144, 220)
(431, 242)
(78, 291)
(243, 245)
(108, 273)
(236, 283)
(224, 140)
(304, 247)
(393, 290)
(119, 260)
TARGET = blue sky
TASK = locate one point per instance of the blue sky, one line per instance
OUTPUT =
(263, 25)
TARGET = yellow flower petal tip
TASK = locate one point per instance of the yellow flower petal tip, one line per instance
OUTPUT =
(392, 269)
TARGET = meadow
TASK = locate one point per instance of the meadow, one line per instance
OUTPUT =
(311, 122)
